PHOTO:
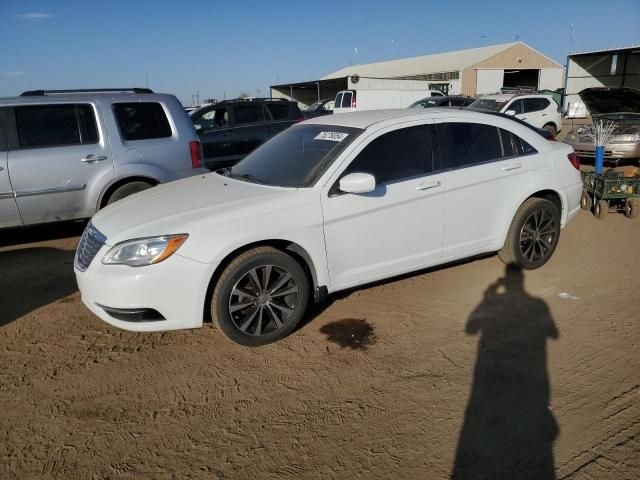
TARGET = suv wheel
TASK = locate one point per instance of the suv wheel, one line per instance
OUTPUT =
(126, 190)
(260, 297)
(533, 234)
(551, 128)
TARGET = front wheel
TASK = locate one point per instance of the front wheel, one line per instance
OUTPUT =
(260, 297)
(585, 201)
(632, 208)
(600, 209)
(533, 234)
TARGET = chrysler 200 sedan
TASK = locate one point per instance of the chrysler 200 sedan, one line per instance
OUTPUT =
(329, 204)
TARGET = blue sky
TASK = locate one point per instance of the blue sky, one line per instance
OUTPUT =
(223, 48)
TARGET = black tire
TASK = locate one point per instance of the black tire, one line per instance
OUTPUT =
(551, 128)
(533, 235)
(256, 313)
(600, 209)
(586, 201)
(127, 189)
(632, 208)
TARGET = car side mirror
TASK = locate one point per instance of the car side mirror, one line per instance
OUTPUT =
(197, 127)
(510, 112)
(358, 183)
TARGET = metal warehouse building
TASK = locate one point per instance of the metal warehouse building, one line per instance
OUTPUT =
(467, 72)
(616, 67)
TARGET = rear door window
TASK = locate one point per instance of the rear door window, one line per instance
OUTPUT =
(535, 104)
(248, 113)
(142, 120)
(278, 111)
(464, 144)
(396, 155)
(55, 125)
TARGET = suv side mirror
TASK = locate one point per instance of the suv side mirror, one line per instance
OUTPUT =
(510, 112)
(358, 183)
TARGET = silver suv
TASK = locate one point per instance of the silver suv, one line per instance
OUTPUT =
(66, 154)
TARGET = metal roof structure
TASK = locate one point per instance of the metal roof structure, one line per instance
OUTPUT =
(438, 62)
(607, 50)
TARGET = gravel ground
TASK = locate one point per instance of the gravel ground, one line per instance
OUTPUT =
(469, 370)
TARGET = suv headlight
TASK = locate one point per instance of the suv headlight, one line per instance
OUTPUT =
(144, 251)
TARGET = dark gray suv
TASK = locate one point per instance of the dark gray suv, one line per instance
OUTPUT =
(232, 129)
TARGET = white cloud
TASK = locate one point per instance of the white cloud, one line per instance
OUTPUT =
(16, 73)
(34, 16)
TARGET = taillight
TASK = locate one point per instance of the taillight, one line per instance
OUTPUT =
(574, 159)
(353, 102)
(196, 154)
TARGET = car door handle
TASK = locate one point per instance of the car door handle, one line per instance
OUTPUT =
(428, 185)
(544, 114)
(91, 158)
(511, 166)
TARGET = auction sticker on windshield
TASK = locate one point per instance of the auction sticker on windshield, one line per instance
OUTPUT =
(331, 136)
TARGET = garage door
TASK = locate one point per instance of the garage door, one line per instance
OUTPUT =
(489, 81)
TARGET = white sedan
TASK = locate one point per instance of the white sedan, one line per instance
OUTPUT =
(329, 204)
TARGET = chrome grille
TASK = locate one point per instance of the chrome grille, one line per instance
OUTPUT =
(91, 242)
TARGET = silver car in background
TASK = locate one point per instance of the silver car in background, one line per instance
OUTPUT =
(66, 154)
(618, 105)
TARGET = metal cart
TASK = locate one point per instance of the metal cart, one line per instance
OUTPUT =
(610, 191)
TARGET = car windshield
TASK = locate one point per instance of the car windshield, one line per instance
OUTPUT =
(488, 104)
(296, 157)
(313, 106)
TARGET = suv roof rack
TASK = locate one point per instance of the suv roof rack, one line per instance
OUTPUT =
(41, 93)
(254, 99)
(518, 90)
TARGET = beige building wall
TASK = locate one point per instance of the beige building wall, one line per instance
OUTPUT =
(517, 56)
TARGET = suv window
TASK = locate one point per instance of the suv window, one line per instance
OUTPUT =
(464, 144)
(396, 155)
(216, 118)
(55, 125)
(535, 104)
(249, 113)
(278, 111)
(142, 121)
(517, 106)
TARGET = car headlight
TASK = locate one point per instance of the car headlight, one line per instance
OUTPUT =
(144, 251)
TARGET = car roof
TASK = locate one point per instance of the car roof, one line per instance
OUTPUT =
(368, 118)
(508, 96)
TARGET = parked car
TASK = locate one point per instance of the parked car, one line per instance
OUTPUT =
(232, 129)
(618, 105)
(66, 154)
(321, 107)
(541, 111)
(357, 100)
(332, 203)
(446, 101)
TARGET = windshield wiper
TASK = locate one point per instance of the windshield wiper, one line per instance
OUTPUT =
(248, 176)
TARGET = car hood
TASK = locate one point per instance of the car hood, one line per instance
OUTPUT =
(602, 101)
(182, 206)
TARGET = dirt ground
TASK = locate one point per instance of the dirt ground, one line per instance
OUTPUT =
(469, 370)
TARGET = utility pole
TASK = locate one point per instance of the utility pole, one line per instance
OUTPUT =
(198, 97)
(392, 48)
(572, 30)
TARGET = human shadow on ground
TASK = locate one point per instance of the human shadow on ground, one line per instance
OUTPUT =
(33, 277)
(508, 429)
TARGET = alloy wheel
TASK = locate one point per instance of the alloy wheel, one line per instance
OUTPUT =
(537, 236)
(263, 300)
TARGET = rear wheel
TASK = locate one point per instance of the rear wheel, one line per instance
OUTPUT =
(127, 189)
(585, 201)
(601, 209)
(533, 234)
(632, 208)
(260, 297)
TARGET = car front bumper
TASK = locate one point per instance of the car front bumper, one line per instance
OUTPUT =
(175, 289)
(612, 151)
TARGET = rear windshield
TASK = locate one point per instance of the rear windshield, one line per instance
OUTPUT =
(296, 157)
